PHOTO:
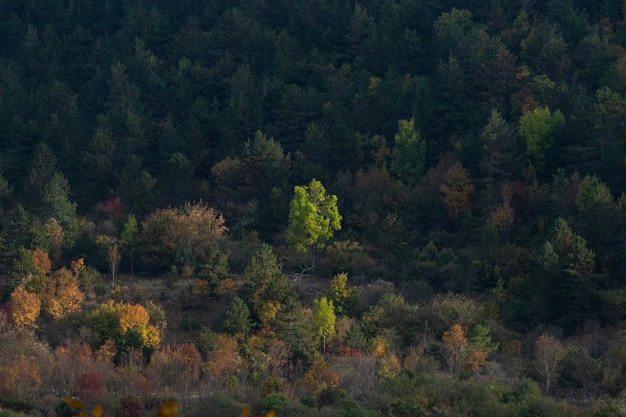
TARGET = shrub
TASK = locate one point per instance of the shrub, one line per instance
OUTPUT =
(275, 401)
(131, 406)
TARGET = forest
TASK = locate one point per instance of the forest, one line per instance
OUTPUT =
(312, 208)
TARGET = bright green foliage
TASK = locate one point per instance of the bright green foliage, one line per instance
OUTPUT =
(324, 319)
(538, 128)
(409, 152)
(313, 217)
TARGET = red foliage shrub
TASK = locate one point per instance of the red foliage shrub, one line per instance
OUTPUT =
(90, 387)
(348, 352)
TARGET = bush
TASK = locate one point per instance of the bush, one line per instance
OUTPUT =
(11, 413)
(275, 401)
(131, 406)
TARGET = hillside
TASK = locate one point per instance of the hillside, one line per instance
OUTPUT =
(398, 208)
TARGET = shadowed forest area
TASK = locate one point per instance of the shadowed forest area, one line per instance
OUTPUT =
(314, 208)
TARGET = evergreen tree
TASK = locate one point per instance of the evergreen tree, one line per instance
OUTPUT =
(501, 156)
(57, 205)
(570, 283)
(237, 318)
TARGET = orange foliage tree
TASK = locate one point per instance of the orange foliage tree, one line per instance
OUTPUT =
(25, 307)
(457, 190)
(456, 344)
(63, 296)
(42, 261)
(112, 319)
(25, 365)
(176, 370)
(465, 354)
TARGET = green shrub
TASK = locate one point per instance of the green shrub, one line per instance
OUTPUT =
(276, 401)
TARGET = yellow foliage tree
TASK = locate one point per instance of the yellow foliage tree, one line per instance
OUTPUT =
(19, 378)
(133, 316)
(25, 307)
(320, 377)
(42, 261)
(63, 296)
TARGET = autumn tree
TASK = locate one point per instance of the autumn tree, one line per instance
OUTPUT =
(467, 354)
(457, 190)
(114, 260)
(549, 355)
(343, 295)
(25, 307)
(63, 295)
(41, 261)
(136, 317)
(168, 231)
(324, 319)
(90, 388)
(128, 326)
(456, 344)
(313, 218)
(24, 363)
(176, 369)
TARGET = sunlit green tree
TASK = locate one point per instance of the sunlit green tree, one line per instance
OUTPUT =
(313, 217)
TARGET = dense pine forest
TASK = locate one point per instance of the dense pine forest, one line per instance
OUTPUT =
(312, 208)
